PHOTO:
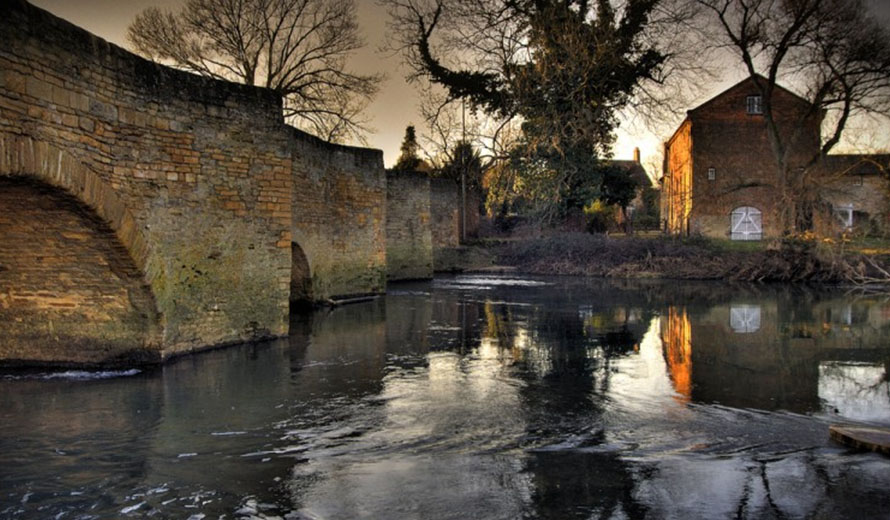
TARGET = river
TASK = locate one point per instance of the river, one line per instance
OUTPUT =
(477, 397)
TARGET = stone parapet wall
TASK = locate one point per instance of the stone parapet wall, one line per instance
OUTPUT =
(339, 215)
(445, 212)
(409, 242)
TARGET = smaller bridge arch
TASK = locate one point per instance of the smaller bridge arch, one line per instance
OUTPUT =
(300, 279)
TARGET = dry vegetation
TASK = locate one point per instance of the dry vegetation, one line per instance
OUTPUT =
(691, 259)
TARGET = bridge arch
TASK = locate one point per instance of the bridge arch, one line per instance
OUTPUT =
(75, 283)
(300, 279)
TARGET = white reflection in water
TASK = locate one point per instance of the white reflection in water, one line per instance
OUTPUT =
(744, 319)
(684, 488)
(643, 385)
(538, 360)
(857, 391)
(438, 451)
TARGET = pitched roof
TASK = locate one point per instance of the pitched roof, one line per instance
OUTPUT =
(740, 84)
(743, 83)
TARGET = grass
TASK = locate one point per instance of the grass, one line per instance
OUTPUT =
(732, 246)
(871, 246)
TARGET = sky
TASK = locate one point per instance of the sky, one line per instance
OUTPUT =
(396, 105)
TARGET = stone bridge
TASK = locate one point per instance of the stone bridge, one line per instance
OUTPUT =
(147, 212)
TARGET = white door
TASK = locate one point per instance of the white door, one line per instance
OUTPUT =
(844, 214)
(746, 224)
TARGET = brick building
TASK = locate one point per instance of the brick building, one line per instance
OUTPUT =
(641, 211)
(720, 177)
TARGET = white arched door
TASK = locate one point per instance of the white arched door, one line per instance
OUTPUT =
(746, 224)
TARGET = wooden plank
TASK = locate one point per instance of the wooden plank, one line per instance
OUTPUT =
(862, 437)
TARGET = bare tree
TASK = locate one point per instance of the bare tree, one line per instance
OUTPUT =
(834, 49)
(296, 47)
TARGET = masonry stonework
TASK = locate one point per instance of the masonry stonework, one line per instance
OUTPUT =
(409, 243)
(445, 213)
(194, 178)
(339, 216)
(67, 277)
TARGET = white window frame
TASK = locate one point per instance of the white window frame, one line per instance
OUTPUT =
(712, 174)
(754, 104)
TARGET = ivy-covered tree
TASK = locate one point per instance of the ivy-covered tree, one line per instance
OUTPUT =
(564, 68)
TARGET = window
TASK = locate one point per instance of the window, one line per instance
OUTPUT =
(857, 180)
(712, 173)
(755, 105)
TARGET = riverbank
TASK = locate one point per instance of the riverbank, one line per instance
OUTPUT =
(664, 257)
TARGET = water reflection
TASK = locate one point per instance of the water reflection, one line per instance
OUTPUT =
(476, 397)
(777, 354)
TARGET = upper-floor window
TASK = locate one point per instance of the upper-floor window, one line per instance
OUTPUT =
(712, 174)
(755, 104)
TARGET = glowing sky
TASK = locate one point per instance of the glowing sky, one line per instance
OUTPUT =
(395, 106)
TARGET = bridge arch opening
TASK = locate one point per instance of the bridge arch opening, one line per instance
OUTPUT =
(300, 279)
(70, 292)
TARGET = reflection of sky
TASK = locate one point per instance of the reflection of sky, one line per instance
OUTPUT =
(643, 385)
(855, 390)
(437, 450)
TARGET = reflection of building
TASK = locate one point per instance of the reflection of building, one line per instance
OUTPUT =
(677, 338)
(744, 318)
(775, 354)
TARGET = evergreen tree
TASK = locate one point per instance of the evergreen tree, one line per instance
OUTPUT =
(408, 160)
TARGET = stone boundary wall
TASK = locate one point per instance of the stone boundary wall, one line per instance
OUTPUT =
(409, 242)
(192, 175)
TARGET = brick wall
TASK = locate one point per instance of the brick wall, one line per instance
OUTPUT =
(677, 188)
(720, 134)
(201, 168)
(196, 179)
(409, 244)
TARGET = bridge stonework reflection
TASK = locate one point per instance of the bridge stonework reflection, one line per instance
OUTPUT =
(148, 212)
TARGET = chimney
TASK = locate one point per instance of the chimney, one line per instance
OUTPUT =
(637, 155)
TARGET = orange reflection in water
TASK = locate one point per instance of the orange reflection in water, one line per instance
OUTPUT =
(677, 344)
